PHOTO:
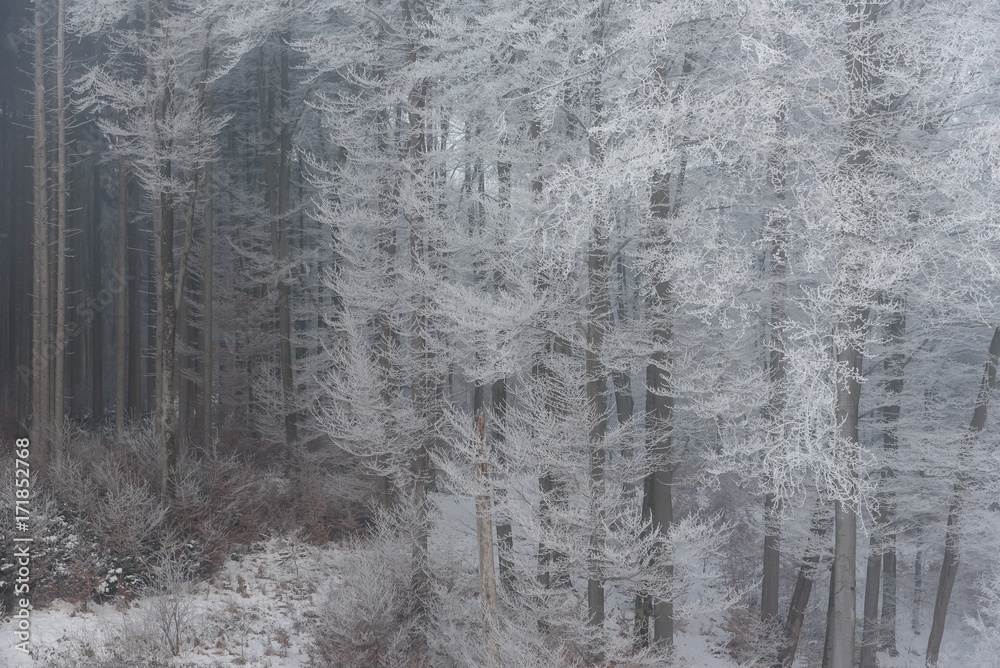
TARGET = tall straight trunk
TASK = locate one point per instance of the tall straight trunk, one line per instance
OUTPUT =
(890, 443)
(599, 316)
(881, 552)
(387, 138)
(830, 616)
(484, 540)
(918, 582)
(852, 321)
(776, 371)
(41, 387)
(184, 391)
(207, 293)
(121, 319)
(166, 339)
(133, 400)
(505, 533)
(284, 288)
(166, 292)
(818, 527)
(621, 380)
(949, 565)
(277, 166)
(658, 487)
(61, 204)
(597, 399)
(97, 327)
(416, 150)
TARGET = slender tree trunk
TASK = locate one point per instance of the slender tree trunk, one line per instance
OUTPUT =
(830, 615)
(284, 287)
(484, 539)
(165, 343)
(41, 353)
(166, 294)
(949, 565)
(890, 443)
(121, 333)
(505, 533)
(918, 582)
(659, 412)
(422, 357)
(97, 326)
(61, 203)
(879, 551)
(207, 295)
(852, 322)
(873, 581)
(599, 318)
(134, 395)
(388, 338)
(778, 233)
(597, 399)
(184, 392)
(819, 525)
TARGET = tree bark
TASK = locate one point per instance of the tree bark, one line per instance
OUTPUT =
(122, 319)
(777, 170)
(484, 539)
(819, 525)
(41, 353)
(284, 287)
(597, 400)
(949, 565)
(207, 292)
(881, 552)
(852, 322)
(659, 411)
(918, 582)
(59, 399)
(97, 324)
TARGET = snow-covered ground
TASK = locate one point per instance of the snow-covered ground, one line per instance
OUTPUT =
(256, 611)
(261, 607)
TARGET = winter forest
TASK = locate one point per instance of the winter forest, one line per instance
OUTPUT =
(431, 333)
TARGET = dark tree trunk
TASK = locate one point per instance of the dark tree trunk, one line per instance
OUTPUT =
(949, 564)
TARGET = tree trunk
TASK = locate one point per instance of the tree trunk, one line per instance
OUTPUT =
(873, 574)
(484, 539)
(880, 541)
(61, 204)
(949, 565)
(777, 170)
(133, 401)
(505, 534)
(852, 322)
(97, 326)
(819, 525)
(284, 288)
(207, 295)
(122, 319)
(597, 400)
(918, 582)
(659, 412)
(41, 353)
(599, 318)
(830, 615)
(890, 443)
(416, 148)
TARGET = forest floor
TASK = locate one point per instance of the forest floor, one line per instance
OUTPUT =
(256, 611)
(262, 606)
